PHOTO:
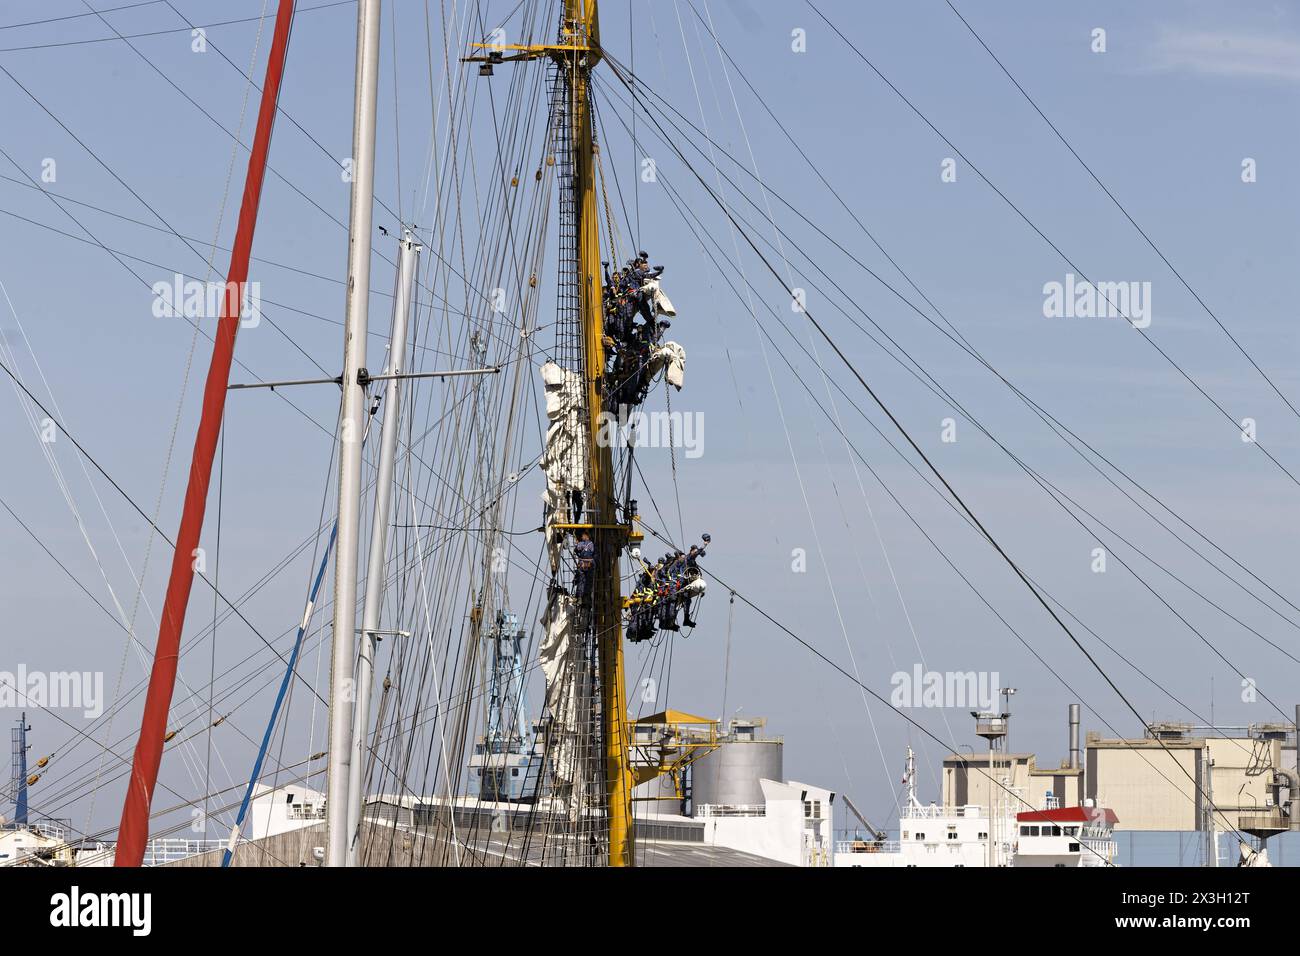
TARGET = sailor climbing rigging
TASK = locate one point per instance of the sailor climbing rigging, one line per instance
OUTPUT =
(636, 349)
(584, 556)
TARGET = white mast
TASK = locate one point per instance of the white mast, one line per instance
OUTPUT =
(407, 267)
(351, 427)
(909, 779)
(1211, 834)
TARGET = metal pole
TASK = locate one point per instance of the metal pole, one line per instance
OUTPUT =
(407, 267)
(1074, 738)
(1211, 843)
(991, 810)
(233, 841)
(351, 426)
(20, 802)
(338, 380)
(1006, 767)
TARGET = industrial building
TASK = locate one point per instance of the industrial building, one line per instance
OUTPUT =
(1167, 779)
(1176, 778)
(732, 786)
(966, 781)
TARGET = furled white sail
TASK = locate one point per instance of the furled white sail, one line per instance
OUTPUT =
(671, 358)
(564, 463)
(559, 658)
(564, 460)
(662, 304)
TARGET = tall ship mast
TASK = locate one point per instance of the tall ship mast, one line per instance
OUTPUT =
(447, 682)
(577, 53)
(606, 350)
(586, 601)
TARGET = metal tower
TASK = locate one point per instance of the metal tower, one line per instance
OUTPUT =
(506, 688)
(18, 738)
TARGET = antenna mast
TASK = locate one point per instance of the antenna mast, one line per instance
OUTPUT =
(18, 738)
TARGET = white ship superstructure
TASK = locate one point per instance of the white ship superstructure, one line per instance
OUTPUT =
(942, 836)
(1066, 836)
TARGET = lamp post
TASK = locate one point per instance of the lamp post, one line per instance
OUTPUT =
(992, 726)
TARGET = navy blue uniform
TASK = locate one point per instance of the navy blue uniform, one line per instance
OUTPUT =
(584, 553)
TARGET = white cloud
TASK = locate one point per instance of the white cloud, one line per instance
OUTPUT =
(1228, 54)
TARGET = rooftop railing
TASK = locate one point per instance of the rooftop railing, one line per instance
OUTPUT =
(731, 810)
(163, 850)
(867, 846)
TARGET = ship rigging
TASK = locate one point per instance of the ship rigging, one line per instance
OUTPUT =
(481, 499)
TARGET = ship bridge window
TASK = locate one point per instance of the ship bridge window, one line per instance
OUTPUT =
(920, 836)
(1056, 831)
(1028, 831)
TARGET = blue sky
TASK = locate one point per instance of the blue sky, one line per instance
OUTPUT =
(1182, 95)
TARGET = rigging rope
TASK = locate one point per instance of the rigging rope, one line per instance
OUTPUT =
(279, 697)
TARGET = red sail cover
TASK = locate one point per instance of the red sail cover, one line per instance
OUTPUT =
(134, 829)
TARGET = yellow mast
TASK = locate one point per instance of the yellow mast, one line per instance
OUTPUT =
(610, 538)
(579, 51)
